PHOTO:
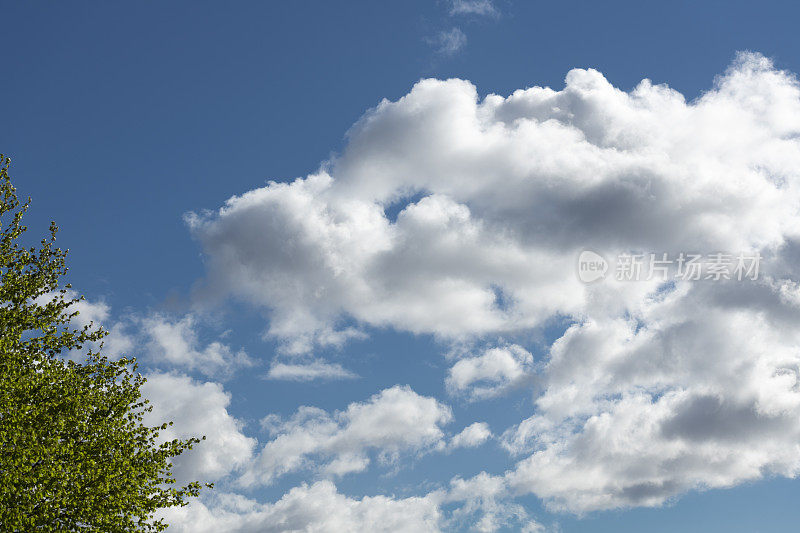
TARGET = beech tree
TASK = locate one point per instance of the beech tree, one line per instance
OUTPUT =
(74, 452)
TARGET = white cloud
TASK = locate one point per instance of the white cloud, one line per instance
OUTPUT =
(703, 396)
(472, 436)
(652, 391)
(198, 409)
(116, 344)
(491, 373)
(174, 342)
(318, 507)
(472, 7)
(171, 342)
(393, 421)
(308, 371)
(477, 504)
(88, 311)
(449, 42)
(483, 505)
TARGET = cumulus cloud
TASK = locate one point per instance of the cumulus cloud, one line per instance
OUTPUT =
(116, 344)
(491, 373)
(96, 312)
(308, 371)
(703, 396)
(472, 436)
(478, 504)
(174, 342)
(120, 341)
(197, 409)
(463, 217)
(483, 504)
(318, 507)
(393, 421)
(165, 341)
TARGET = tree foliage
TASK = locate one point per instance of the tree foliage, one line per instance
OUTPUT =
(74, 452)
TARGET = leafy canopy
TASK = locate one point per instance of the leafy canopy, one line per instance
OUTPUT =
(74, 452)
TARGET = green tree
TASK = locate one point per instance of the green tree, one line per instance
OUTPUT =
(74, 452)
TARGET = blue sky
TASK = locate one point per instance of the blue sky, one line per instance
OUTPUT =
(131, 125)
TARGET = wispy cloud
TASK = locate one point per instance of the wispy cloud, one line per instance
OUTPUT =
(449, 42)
(308, 371)
(473, 7)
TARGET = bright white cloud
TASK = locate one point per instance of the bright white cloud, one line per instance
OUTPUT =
(88, 311)
(318, 507)
(175, 342)
(198, 409)
(491, 373)
(478, 504)
(321, 248)
(471, 436)
(393, 421)
(308, 371)
(703, 396)
(653, 391)
(167, 342)
(116, 344)
(483, 505)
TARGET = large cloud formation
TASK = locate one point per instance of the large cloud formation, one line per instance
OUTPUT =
(463, 217)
